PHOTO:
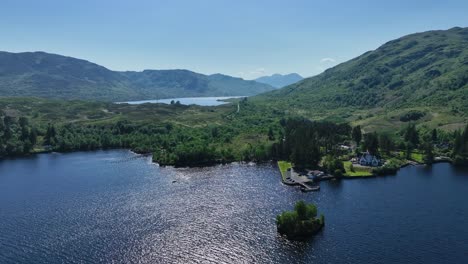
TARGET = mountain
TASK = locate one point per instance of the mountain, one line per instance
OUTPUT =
(426, 72)
(55, 76)
(279, 80)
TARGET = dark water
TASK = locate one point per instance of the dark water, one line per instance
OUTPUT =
(203, 101)
(116, 207)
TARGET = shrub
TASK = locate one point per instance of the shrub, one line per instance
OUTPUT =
(412, 116)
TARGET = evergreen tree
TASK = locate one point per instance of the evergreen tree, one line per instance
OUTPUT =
(271, 135)
(7, 133)
(386, 143)
(50, 135)
(2, 124)
(411, 134)
(24, 133)
(8, 121)
(357, 134)
(434, 135)
(33, 136)
(23, 121)
(428, 153)
(371, 143)
(408, 150)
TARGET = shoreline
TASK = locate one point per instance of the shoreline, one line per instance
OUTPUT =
(223, 162)
(374, 175)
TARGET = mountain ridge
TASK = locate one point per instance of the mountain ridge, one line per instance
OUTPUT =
(56, 76)
(279, 80)
(426, 71)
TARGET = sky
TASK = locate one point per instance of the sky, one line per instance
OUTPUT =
(244, 38)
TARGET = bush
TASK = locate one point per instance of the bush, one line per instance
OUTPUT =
(333, 165)
(338, 173)
(412, 116)
(391, 167)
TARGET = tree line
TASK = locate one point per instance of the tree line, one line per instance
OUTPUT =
(17, 136)
(306, 143)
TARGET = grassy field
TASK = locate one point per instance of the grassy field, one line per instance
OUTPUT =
(415, 156)
(358, 171)
(284, 166)
(418, 157)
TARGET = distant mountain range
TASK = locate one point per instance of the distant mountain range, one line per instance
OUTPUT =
(425, 71)
(54, 76)
(279, 80)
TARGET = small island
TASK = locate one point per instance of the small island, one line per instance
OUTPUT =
(300, 224)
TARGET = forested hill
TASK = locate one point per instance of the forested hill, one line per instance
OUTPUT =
(424, 70)
(55, 76)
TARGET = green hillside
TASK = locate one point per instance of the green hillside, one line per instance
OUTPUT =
(55, 76)
(419, 73)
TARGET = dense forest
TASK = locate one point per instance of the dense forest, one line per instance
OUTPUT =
(166, 131)
(305, 142)
(169, 144)
(254, 134)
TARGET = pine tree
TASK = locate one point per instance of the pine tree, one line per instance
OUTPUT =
(434, 135)
(50, 135)
(2, 124)
(271, 135)
(357, 134)
(428, 153)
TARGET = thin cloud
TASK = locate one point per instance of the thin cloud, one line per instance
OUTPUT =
(327, 60)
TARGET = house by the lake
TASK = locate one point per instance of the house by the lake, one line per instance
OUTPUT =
(368, 159)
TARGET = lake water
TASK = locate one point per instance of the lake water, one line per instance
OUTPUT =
(203, 101)
(118, 207)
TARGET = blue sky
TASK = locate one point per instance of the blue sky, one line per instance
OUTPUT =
(237, 37)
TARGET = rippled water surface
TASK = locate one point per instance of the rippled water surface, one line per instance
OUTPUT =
(118, 207)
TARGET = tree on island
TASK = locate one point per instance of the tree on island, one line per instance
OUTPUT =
(301, 223)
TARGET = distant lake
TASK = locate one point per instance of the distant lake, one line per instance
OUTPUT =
(119, 207)
(203, 101)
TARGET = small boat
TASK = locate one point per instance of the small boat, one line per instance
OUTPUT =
(310, 188)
